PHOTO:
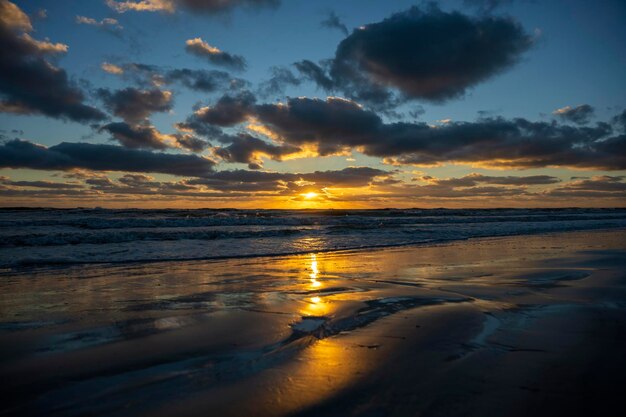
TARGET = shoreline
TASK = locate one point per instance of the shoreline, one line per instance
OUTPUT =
(43, 266)
(522, 325)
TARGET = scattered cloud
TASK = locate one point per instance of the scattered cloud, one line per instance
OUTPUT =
(579, 114)
(142, 136)
(595, 187)
(228, 111)
(249, 150)
(107, 24)
(206, 81)
(199, 6)
(142, 6)
(281, 77)
(111, 68)
(474, 179)
(333, 21)
(214, 55)
(135, 105)
(148, 137)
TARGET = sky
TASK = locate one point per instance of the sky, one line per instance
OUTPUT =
(300, 104)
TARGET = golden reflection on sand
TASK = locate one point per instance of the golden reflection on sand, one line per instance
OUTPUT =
(315, 306)
(314, 272)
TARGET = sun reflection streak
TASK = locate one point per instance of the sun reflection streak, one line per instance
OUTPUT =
(314, 272)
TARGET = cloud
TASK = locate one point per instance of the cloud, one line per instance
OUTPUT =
(425, 54)
(67, 156)
(228, 111)
(281, 77)
(214, 55)
(38, 184)
(333, 124)
(134, 105)
(44, 47)
(289, 183)
(107, 24)
(141, 136)
(620, 121)
(247, 149)
(29, 83)
(206, 81)
(148, 137)
(474, 179)
(338, 125)
(111, 68)
(200, 6)
(190, 142)
(315, 73)
(596, 187)
(579, 114)
(142, 6)
(12, 17)
(217, 184)
(332, 21)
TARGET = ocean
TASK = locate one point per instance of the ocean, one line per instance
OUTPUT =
(55, 237)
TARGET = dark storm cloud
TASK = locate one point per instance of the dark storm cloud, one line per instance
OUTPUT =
(134, 105)
(136, 136)
(336, 125)
(214, 55)
(67, 156)
(430, 54)
(248, 149)
(579, 114)
(332, 21)
(29, 83)
(199, 6)
(424, 54)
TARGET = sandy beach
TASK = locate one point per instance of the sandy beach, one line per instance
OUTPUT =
(509, 326)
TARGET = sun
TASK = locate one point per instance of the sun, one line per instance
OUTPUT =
(309, 196)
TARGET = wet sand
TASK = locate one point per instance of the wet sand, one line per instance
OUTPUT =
(515, 326)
